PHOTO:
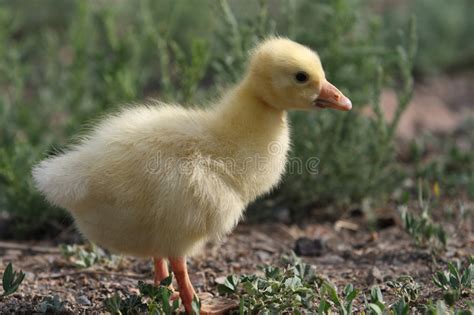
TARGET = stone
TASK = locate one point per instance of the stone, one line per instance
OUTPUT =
(83, 300)
(216, 305)
(309, 247)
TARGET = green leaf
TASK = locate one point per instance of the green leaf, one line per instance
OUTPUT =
(165, 301)
(150, 290)
(7, 277)
(176, 304)
(292, 283)
(229, 286)
(167, 281)
(196, 305)
(450, 297)
(454, 282)
(113, 304)
(250, 287)
(375, 308)
(376, 294)
(350, 292)
(453, 269)
(324, 307)
(401, 308)
(11, 280)
(242, 306)
(332, 293)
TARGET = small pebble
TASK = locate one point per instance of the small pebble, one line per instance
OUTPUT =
(83, 300)
(262, 255)
(307, 247)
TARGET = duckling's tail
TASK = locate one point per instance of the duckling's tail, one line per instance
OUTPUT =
(60, 179)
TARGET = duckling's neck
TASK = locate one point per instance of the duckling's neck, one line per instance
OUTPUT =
(243, 115)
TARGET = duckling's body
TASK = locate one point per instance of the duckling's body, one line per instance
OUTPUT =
(160, 180)
(124, 182)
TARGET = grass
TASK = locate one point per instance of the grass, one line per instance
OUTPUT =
(423, 229)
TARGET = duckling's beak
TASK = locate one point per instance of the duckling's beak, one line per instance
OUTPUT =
(331, 97)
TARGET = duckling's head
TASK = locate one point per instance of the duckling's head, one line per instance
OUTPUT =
(287, 75)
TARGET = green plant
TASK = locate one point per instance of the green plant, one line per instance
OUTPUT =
(290, 289)
(329, 298)
(126, 306)
(376, 305)
(151, 300)
(297, 289)
(31, 212)
(423, 230)
(406, 288)
(85, 256)
(456, 282)
(51, 305)
(400, 308)
(440, 308)
(439, 21)
(11, 280)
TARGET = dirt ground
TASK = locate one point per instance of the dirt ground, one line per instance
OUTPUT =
(347, 252)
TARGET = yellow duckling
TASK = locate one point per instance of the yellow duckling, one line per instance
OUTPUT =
(159, 181)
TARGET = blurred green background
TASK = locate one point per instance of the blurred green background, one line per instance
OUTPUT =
(63, 63)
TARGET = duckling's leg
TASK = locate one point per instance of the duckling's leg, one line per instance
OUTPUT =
(161, 273)
(161, 270)
(186, 290)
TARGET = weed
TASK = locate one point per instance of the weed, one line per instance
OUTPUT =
(85, 256)
(422, 228)
(456, 282)
(11, 280)
(151, 300)
(406, 288)
(298, 289)
(277, 291)
(376, 304)
(329, 297)
(440, 308)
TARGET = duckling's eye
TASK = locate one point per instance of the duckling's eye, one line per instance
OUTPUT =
(301, 77)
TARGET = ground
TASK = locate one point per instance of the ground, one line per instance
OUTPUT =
(345, 251)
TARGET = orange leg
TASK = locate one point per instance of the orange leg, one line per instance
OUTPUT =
(161, 270)
(186, 290)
